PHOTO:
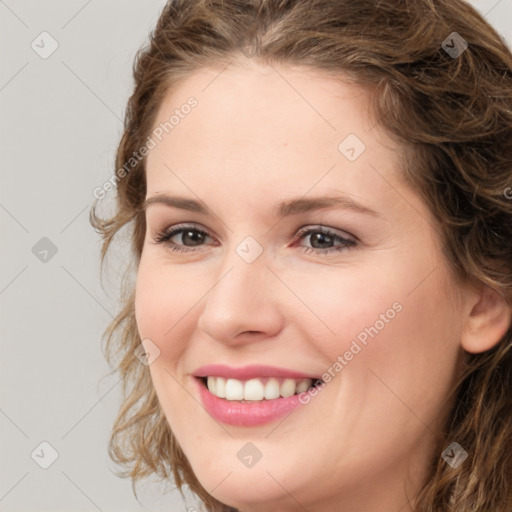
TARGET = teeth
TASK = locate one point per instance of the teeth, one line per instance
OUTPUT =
(303, 385)
(272, 389)
(220, 386)
(288, 388)
(256, 389)
(253, 389)
(234, 389)
(212, 384)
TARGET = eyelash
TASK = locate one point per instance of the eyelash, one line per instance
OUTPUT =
(163, 237)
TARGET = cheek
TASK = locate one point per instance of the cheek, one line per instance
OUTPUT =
(408, 364)
(164, 306)
(391, 331)
(345, 305)
(165, 314)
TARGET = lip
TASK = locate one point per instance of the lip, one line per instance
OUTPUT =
(250, 372)
(245, 414)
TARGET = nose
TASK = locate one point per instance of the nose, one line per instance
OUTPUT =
(243, 303)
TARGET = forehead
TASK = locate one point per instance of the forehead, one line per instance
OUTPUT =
(268, 128)
(254, 103)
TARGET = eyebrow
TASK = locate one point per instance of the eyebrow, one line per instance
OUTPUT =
(302, 205)
(284, 209)
(177, 202)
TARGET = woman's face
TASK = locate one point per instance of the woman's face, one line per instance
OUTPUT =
(277, 282)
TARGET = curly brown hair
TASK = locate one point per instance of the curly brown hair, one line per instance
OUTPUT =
(453, 114)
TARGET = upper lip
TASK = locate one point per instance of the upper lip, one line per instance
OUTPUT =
(249, 372)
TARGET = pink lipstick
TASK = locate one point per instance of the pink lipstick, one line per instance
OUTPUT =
(251, 395)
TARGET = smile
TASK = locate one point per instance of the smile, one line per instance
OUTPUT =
(266, 388)
(252, 395)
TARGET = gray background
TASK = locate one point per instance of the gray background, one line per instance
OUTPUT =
(61, 119)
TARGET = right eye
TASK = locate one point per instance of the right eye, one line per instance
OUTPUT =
(186, 238)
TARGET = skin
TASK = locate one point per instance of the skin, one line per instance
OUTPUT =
(364, 442)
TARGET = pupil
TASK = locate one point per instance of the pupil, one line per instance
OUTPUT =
(321, 238)
(194, 236)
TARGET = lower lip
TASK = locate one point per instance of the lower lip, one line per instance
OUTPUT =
(246, 414)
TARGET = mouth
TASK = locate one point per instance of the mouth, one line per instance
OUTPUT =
(257, 389)
(253, 395)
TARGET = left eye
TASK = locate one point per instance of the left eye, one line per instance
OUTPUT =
(322, 240)
(190, 239)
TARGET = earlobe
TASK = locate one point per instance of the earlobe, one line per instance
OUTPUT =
(488, 320)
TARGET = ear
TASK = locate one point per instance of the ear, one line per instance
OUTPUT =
(488, 319)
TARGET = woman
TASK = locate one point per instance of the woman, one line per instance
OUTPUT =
(322, 236)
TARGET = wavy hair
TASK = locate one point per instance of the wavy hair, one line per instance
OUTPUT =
(452, 114)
